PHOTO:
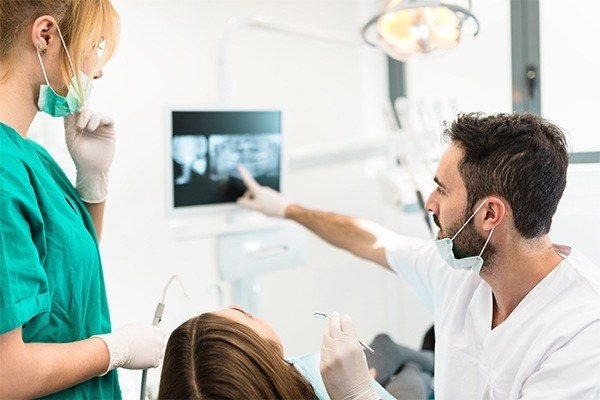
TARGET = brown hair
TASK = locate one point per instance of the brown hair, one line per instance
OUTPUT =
(212, 357)
(84, 24)
(521, 157)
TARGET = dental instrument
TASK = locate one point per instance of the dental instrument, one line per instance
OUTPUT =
(320, 315)
(158, 313)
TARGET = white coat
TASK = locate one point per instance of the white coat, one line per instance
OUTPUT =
(548, 347)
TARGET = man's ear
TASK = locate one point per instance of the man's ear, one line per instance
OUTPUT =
(495, 210)
(44, 33)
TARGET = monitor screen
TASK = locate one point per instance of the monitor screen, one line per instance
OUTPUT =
(207, 146)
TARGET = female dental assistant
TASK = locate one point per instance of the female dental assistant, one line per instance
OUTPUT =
(55, 338)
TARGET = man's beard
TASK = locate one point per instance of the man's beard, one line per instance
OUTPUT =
(468, 243)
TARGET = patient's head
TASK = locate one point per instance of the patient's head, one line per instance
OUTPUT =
(228, 354)
(257, 324)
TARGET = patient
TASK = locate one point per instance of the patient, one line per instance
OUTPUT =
(231, 354)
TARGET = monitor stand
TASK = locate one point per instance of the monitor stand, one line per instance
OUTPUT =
(249, 245)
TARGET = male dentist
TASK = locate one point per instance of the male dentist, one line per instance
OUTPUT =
(516, 316)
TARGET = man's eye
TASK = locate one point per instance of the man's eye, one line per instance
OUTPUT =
(440, 190)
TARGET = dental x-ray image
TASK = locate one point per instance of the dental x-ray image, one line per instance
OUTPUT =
(208, 146)
(190, 152)
(258, 152)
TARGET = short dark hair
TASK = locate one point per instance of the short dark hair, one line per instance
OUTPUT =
(521, 157)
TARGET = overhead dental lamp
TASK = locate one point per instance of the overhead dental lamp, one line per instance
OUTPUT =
(406, 28)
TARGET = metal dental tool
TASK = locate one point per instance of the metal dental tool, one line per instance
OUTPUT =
(320, 315)
(158, 313)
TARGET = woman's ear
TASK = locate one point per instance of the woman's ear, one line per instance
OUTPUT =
(494, 213)
(44, 33)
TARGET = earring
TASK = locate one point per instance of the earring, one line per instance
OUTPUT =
(42, 50)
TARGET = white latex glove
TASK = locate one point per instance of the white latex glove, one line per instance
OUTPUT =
(135, 346)
(90, 139)
(343, 363)
(261, 198)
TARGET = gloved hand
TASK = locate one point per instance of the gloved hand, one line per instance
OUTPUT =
(261, 198)
(90, 139)
(343, 362)
(135, 346)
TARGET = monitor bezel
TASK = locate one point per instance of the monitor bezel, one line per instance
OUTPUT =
(172, 211)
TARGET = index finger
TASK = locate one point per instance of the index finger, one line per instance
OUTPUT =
(249, 181)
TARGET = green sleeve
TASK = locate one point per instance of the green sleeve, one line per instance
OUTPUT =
(23, 281)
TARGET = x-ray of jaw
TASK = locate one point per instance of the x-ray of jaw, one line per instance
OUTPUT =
(258, 152)
(190, 152)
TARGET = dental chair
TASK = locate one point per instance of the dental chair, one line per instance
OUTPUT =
(404, 372)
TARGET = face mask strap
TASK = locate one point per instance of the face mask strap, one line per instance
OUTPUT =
(470, 218)
(487, 241)
(66, 50)
(77, 78)
(43, 69)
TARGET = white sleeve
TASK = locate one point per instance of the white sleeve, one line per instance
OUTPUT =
(419, 263)
(571, 372)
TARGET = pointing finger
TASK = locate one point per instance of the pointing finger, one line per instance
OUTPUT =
(249, 181)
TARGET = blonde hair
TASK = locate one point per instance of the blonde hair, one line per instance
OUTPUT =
(84, 24)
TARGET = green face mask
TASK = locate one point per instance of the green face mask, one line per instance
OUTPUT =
(56, 105)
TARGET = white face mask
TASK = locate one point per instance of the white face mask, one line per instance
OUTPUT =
(473, 263)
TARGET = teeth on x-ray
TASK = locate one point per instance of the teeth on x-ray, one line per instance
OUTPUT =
(258, 152)
(190, 152)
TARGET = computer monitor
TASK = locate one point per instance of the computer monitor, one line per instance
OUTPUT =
(205, 147)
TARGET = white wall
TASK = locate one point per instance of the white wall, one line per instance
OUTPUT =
(570, 98)
(570, 64)
(477, 73)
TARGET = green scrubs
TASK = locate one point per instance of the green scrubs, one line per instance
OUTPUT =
(51, 281)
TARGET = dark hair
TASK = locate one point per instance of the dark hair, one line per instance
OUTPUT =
(212, 357)
(521, 157)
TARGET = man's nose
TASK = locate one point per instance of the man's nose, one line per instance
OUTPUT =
(432, 205)
(98, 75)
